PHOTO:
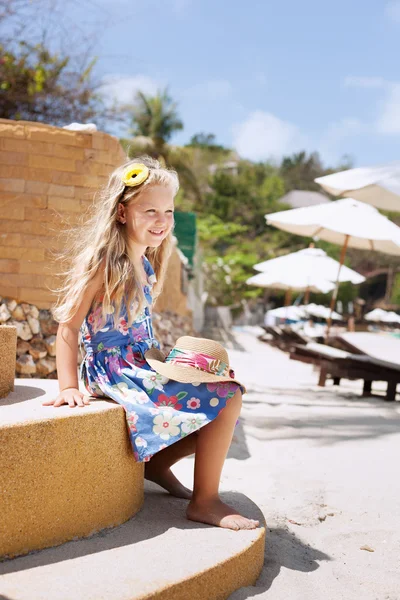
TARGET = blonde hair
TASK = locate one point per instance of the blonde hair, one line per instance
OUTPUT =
(101, 242)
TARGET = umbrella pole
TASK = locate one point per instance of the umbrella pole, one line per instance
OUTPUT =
(288, 297)
(335, 291)
(307, 296)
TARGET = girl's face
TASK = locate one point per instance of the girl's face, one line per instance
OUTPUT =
(150, 218)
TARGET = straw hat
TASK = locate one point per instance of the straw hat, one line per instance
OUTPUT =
(193, 360)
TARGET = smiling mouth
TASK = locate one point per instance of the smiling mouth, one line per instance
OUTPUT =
(158, 233)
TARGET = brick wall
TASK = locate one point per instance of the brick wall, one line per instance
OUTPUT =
(47, 179)
(172, 297)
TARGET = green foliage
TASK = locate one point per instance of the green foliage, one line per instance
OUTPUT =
(232, 229)
(245, 198)
(300, 170)
(233, 232)
(37, 85)
(217, 233)
(395, 297)
(205, 141)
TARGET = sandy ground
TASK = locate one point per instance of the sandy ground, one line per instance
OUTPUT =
(323, 466)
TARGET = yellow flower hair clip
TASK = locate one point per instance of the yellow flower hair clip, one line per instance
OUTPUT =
(135, 175)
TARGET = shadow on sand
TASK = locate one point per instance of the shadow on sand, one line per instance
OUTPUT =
(282, 550)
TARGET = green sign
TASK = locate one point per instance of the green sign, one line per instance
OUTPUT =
(185, 232)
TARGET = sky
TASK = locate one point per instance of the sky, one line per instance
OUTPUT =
(267, 77)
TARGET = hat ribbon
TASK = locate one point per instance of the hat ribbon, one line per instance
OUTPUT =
(200, 361)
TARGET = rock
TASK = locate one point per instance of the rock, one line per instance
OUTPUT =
(38, 349)
(24, 332)
(25, 365)
(4, 313)
(367, 548)
(294, 522)
(169, 326)
(18, 314)
(47, 324)
(22, 347)
(45, 366)
(11, 305)
(33, 324)
(37, 337)
(51, 345)
(30, 310)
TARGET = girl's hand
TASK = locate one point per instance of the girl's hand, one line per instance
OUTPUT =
(69, 396)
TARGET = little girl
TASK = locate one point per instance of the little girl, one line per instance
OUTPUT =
(118, 264)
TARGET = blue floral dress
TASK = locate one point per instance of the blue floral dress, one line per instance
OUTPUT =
(159, 411)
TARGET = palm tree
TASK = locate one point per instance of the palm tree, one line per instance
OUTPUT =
(155, 119)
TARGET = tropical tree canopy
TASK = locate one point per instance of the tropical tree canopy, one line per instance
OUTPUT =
(154, 120)
(155, 117)
(39, 86)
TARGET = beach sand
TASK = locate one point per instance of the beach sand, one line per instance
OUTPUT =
(323, 466)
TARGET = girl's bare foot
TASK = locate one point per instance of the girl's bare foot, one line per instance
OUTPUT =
(216, 512)
(167, 480)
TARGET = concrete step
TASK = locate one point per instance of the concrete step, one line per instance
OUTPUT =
(64, 472)
(157, 554)
(70, 473)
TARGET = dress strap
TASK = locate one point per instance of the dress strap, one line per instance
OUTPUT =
(148, 267)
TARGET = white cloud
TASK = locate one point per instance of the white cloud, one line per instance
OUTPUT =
(364, 82)
(392, 10)
(263, 135)
(389, 119)
(122, 88)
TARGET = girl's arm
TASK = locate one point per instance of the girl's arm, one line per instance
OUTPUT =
(67, 351)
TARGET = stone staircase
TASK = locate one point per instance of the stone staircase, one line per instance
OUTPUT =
(73, 524)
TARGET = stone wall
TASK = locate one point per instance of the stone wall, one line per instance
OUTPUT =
(173, 297)
(36, 336)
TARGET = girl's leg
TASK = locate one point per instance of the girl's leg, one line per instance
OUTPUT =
(212, 446)
(158, 469)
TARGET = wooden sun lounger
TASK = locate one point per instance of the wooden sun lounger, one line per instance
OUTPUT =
(277, 337)
(283, 337)
(297, 336)
(339, 364)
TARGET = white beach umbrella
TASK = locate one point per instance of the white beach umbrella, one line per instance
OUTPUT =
(393, 317)
(346, 222)
(379, 186)
(291, 281)
(321, 312)
(378, 315)
(309, 261)
(294, 313)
